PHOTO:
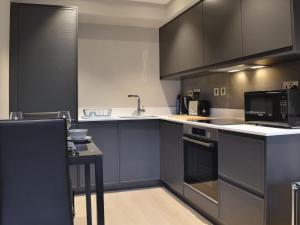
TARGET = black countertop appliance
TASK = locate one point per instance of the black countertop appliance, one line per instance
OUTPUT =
(204, 108)
(273, 108)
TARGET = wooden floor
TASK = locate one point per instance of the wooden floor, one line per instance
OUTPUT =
(153, 206)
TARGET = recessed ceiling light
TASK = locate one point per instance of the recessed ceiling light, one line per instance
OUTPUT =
(238, 68)
(233, 71)
(161, 2)
(257, 67)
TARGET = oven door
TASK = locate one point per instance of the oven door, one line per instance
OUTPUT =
(201, 166)
(264, 106)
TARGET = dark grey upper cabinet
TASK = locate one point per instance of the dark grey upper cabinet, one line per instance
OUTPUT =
(171, 155)
(267, 25)
(181, 42)
(169, 51)
(43, 58)
(139, 150)
(222, 31)
(216, 34)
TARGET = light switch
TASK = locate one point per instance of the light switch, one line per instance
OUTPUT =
(216, 92)
(223, 91)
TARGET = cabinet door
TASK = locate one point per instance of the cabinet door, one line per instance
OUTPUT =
(169, 49)
(105, 136)
(266, 24)
(181, 42)
(43, 59)
(238, 207)
(139, 150)
(73, 171)
(222, 30)
(171, 153)
(242, 161)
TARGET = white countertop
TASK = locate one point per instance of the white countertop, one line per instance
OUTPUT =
(242, 128)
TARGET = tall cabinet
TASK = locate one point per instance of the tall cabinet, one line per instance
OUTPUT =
(43, 58)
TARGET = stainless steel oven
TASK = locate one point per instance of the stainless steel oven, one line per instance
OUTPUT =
(201, 160)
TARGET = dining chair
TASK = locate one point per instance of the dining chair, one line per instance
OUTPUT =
(40, 115)
(34, 178)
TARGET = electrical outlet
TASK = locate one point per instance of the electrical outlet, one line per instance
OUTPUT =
(223, 91)
(216, 91)
(290, 84)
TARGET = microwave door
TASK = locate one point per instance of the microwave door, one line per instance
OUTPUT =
(262, 107)
(258, 107)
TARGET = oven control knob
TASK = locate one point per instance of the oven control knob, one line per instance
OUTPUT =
(208, 134)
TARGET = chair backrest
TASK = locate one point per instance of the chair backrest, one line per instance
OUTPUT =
(40, 115)
(34, 180)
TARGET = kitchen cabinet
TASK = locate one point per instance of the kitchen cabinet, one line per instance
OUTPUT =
(242, 160)
(222, 30)
(201, 202)
(267, 25)
(105, 136)
(255, 173)
(73, 173)
(181, 42)
(240, 207)
(43, 58)
(171, 155)
(139, 150)
(228, 33)
(130, 153)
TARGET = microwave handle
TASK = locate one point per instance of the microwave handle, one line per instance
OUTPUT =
(208, 145)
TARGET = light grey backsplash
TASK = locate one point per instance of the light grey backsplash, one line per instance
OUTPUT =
(269, 78)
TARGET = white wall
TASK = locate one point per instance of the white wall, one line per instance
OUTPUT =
(4, 58)
(177, 6)
(115, 61)
(113, 12)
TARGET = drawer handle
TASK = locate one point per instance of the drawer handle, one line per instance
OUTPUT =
(209, 145)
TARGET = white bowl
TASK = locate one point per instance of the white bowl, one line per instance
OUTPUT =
(77, 134)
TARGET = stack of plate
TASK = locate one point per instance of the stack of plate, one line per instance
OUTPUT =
(79, 136)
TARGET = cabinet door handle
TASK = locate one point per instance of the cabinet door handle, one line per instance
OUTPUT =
(209, 145)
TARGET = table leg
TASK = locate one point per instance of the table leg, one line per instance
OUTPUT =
(99, 190)
(88, 194)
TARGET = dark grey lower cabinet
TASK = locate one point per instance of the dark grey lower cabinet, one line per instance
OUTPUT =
(105, 136)
(81, 177)
(242, 161)
(139, 150)
(73, 170)
(130, 154)
(201, 202)
(238, 207)
(171, 155)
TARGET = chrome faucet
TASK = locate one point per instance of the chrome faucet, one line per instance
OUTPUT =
(140, 108)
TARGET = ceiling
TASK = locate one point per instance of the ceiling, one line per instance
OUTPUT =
(161, 2)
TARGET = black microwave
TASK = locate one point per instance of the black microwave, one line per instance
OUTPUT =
(273, 108)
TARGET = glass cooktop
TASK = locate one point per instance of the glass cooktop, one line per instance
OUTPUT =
(221, 121)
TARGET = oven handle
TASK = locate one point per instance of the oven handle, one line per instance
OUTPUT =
(209, 145)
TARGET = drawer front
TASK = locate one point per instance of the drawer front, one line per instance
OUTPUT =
(201, 202)
(238, 207)
(242, 161)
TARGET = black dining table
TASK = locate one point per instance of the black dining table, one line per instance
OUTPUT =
(87, 154)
